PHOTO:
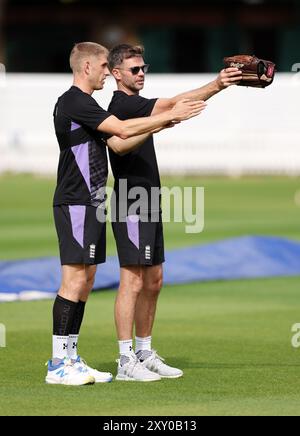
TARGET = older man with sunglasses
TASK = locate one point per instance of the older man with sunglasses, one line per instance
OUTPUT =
(139, 234)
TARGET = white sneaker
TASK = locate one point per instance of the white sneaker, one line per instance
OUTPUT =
(100, 377)
(66, 374)
(134, 371)
(155, 364)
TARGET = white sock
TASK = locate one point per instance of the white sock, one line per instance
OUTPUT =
(72, 346)
(125, 347)
(143, 344)
(59, 347)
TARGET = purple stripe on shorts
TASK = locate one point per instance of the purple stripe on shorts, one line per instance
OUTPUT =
(74, 126)
(132, 222)
(77, 214)
(81, 153)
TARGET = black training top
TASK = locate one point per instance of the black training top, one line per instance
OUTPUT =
(82, 168)
(139, 167)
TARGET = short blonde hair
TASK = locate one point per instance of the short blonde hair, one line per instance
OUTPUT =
(83, 50)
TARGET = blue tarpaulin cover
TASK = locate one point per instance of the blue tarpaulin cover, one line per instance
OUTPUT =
(239, 258)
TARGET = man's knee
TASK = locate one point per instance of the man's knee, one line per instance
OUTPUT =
(154, 287)
(90, 279)
(154, 283)
(75, 284)
(131, 280)
(89, 284)
(135, 285)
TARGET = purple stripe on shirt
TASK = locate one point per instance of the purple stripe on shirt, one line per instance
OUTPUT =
(74, 126)
(77, 214)
(132, 222)
(81, 153)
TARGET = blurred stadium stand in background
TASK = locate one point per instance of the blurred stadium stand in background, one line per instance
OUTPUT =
(180, 36)
(243, 130)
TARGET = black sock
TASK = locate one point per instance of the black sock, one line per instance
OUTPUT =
(78, 318)
(63, 316)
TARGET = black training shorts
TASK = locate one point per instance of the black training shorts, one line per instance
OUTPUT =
(82, 239)
(138, 242)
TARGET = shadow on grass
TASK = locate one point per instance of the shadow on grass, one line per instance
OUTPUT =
(186, 364)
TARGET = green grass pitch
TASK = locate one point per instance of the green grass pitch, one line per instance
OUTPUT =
(232, 339)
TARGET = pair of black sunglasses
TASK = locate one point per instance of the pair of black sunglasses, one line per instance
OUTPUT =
(136, 70)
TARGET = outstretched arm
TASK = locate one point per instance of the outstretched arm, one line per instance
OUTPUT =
(227, 77)
(182, 110)
(124, 146)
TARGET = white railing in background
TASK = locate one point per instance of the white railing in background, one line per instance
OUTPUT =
(243, 130)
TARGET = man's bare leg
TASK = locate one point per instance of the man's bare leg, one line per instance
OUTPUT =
(147, 300)
(131, 283)
(129, 368)
(144, 319)
(74, 282)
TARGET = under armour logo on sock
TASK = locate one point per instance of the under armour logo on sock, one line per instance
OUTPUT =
(74, 345)
(65, 346)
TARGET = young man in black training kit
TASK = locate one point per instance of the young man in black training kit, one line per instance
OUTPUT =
(82, 127)
(140, 243)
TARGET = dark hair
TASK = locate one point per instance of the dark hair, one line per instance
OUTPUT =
(123, 51)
